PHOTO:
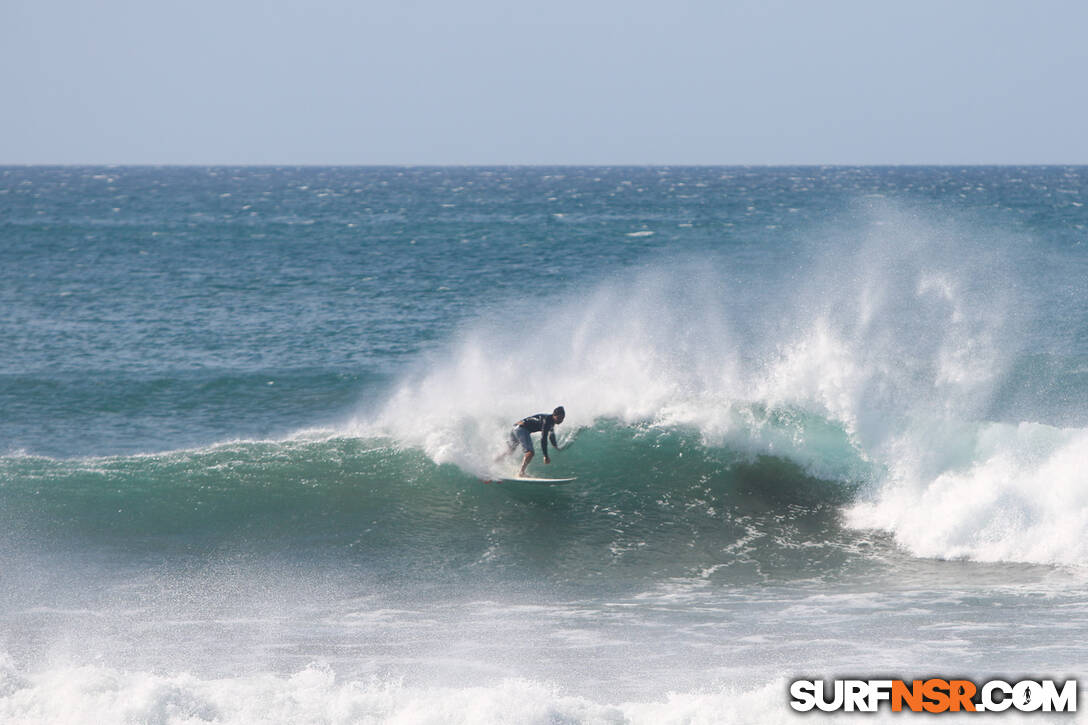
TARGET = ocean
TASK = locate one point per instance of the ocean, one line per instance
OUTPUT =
(826, 422)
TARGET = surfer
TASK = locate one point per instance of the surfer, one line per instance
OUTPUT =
(542, 423)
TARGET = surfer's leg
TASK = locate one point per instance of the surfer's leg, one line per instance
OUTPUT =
(521, 437)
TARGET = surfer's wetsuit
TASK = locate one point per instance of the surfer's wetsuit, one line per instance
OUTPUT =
(543, 423)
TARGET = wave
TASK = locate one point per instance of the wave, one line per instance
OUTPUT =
(649, 502)
(890, 358)
(652, 497)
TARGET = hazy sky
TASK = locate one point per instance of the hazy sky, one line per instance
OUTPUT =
(543, 82)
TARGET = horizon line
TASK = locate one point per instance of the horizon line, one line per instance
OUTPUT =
(152, 165)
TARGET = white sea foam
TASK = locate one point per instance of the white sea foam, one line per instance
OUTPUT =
(92, 695)
(89, 694)
(1016, 493)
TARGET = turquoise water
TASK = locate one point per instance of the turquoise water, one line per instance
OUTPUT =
(824, 421)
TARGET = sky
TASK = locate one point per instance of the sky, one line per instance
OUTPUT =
(543, 82)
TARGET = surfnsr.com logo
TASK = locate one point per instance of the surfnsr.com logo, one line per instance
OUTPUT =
(934, 695)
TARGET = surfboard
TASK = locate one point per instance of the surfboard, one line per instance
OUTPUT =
(531, 479)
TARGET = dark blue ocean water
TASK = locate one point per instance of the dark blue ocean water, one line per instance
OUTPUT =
(823, 420)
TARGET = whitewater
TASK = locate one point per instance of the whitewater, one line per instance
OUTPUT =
(825, 422)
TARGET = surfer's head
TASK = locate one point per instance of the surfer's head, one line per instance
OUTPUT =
(559, 414)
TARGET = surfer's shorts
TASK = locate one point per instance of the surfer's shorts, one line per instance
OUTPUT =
(521, 436)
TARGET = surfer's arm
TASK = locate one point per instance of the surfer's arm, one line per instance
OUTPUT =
(544, 436)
